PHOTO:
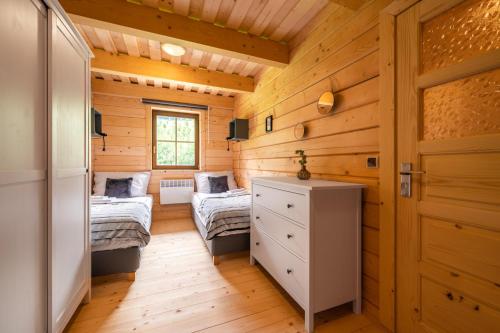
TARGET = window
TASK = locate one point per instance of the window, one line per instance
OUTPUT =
(175, 140)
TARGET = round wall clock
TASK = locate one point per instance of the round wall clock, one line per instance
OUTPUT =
(299, 131)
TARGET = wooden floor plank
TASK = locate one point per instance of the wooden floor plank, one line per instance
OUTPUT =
(178, 289)
(252, 322)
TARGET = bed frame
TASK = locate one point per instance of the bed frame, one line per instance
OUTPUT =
(116, 262)
(219, 246)
(128, 260)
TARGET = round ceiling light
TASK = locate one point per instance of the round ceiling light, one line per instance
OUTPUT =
(173, 50)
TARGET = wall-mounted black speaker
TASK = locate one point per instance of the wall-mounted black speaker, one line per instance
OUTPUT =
(238, 130)
(96, 127)
(96, 124)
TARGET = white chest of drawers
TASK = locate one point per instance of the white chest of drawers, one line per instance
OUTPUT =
(307, 235)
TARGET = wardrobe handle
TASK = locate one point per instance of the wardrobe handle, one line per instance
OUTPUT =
(289, 236)
(257, 217)
(289, 206)
(257, 243)
(257, 195)
(289, 271)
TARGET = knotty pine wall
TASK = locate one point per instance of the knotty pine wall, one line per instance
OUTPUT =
(127, 121)
(338, 51)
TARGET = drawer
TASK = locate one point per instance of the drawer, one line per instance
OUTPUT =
(288, 204)
(287, 269)
(290, 235)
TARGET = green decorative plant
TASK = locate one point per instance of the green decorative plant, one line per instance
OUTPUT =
(303, 173)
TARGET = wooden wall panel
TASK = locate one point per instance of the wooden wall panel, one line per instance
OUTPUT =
(345, 60)
(127, 121)
(124, 120)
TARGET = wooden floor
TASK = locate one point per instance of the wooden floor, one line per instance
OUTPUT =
(177, 289)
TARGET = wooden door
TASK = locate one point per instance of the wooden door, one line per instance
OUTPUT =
(69, 248)
(448, 118)
(23, 166)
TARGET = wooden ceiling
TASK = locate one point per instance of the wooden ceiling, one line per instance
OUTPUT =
(227, 42)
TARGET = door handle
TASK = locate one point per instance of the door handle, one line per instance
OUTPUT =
(412, 172)
(405, 174)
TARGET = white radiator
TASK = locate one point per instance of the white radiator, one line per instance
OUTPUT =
(175, 191)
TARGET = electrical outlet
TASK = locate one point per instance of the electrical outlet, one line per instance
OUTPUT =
(372, 162)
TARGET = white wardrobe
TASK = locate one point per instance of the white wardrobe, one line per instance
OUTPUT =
(44, 167)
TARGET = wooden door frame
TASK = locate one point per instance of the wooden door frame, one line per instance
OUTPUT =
(388, 158)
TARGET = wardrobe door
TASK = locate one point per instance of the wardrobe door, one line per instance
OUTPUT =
(69, 256)
(23, 166)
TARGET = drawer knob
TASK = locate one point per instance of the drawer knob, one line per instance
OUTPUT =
(289, 206)
(289, 236)
(257, 195)
(257, 243)
(289, 271)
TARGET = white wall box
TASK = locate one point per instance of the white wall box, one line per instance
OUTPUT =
(307, 235)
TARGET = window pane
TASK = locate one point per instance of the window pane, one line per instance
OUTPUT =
(185, 153)
(466, 30)
(185, 129)
(462, 108)
(165, 128)
(165, 153)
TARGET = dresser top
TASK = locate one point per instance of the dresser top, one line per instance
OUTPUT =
(311, 184)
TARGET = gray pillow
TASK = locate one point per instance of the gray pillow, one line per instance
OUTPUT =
(118, 188)
(218, 184)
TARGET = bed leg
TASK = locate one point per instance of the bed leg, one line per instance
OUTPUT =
(131, 276)
(216, 260)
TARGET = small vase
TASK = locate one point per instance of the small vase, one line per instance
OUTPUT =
(303, 174)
